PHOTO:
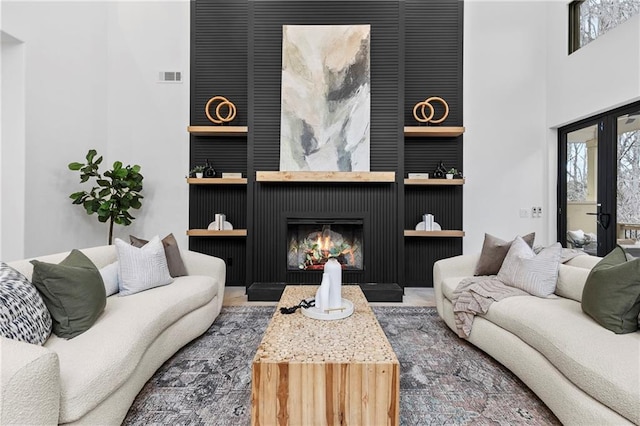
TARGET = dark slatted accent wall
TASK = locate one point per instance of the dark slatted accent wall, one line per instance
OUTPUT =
(375, 203)
(271, 200)
(416, 52)
(219, 67)
(433, 67)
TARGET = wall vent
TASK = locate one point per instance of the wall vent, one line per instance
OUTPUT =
(170, 77)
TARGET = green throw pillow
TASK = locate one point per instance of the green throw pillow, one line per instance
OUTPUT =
(611, 295)
(73, 291)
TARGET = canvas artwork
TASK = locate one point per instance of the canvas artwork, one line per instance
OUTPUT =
(326, 97)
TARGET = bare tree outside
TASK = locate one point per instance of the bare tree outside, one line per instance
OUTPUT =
(599, 16)
(629, 177)
(577, 171)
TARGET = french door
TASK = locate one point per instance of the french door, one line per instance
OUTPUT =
(599, 182)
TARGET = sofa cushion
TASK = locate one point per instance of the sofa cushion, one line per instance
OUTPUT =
(494, 250)
(535, 274)
(23, 314)
(141, 268)
(73, 291)
(171, 251)
(111, 278)
(611, 295)
(128, 326)
(601, 363)
(571, 281)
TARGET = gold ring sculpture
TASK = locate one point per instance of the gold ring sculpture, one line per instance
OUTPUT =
(224, 103)
(422, 117)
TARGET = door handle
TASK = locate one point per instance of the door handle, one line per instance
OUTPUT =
(603, 219)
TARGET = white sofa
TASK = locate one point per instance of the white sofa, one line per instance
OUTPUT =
(584, 373)
(94, 377)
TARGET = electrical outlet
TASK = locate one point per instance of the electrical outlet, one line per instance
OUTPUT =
(539, 211)
(524, 213)
(534, 212)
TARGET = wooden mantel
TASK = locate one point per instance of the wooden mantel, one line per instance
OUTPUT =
(364, 177)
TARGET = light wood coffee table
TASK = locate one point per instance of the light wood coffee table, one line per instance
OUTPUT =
(312, 372)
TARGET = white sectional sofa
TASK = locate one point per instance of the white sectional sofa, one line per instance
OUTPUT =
(584, 373)
(94, 377)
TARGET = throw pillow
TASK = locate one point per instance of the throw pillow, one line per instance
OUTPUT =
(535, 274)
(142, 268)
(611, 295)
(73, 291)
(110, 277)
(23, 314)
(171, 251)
(494, 250)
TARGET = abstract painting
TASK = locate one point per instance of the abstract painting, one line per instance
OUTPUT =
(326, 97)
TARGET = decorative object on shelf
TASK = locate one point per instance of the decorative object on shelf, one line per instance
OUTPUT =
(197, 172)
(453, 173)
(419, 112)
(329, 304)
(418, 175)
(231, 175)
(326, 98)
(440, 171)
(209, 171)
(428, 224)
(224, 103)
(220, 223)
(111, 196)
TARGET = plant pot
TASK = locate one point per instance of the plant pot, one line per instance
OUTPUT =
(449, 176)
(199, 175)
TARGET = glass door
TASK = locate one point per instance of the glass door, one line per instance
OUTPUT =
(599, 182)
(628, 182)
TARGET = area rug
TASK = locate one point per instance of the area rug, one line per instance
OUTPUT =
(443, 379)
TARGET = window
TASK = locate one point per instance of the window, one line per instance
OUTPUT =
(588, 19)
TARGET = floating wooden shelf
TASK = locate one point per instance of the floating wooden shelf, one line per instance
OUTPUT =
(217, 181)
(209, 233)
(434, 181)
(433, 131)
(364, 177)
(445, 233)
(218, 130)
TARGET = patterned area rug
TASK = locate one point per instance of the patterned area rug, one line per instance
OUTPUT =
(443, 379)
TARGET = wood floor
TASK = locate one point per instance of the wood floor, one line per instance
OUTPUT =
(413, 296)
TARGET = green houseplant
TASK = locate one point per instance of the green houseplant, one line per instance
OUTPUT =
(113, 195)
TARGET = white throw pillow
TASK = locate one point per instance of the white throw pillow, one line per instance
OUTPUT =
(142, 268)
(110, 277)
(535, 274)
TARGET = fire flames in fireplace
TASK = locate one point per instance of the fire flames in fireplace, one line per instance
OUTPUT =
(311, 250)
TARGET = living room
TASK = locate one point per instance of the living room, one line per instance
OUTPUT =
(82, 75)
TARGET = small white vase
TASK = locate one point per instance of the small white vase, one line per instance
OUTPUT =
(333, 269)
(449, 176)
(199, 175)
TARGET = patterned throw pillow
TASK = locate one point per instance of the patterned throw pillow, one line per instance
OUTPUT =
(537, 275)
(23, 314)
(142, 268)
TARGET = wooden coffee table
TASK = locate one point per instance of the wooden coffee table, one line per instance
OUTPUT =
(312, 372)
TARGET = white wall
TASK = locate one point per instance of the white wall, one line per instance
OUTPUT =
(505, 151)
(520, 85)
(91, 82)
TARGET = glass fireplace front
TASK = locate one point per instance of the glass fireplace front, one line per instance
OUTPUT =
(311, 242)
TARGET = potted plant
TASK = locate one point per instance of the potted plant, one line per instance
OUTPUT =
(452, 172)
(111, 196)
(197, 171)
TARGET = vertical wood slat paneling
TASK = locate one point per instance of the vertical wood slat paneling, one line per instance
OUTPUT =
(376, 202)
(426, 48)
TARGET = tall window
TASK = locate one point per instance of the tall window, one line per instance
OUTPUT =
(588, 19)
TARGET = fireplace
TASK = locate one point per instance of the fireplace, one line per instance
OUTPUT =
(312, 241)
